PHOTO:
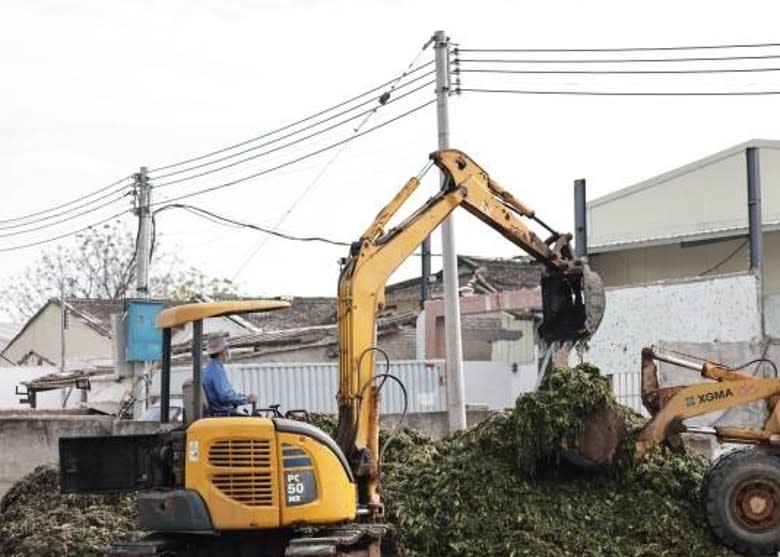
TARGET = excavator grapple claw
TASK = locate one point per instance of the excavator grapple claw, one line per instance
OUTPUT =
(573, 303)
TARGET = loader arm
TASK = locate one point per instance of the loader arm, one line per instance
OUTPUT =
(378, 253)
(727, 388)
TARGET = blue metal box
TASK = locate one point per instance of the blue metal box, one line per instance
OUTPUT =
(144, 340)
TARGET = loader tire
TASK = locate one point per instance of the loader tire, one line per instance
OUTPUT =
(742, 500)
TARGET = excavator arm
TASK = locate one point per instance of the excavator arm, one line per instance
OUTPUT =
(567, 290)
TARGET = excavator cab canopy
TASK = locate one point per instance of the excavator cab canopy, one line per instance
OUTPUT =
(195, 313)
(187, 313)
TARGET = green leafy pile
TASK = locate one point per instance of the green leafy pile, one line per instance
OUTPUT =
(549, 421)
(36, 519)
(503, 489)
(500, 488)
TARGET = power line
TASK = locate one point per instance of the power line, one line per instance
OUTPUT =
(383, 101)
(71, 217)
(60, 236)
(726, 259)
(115, 195)
(111, 186)
(234, 223)
(616, 60)
(291, 134)
(623, 49)
(623, 93)
(114, 188)
(619, 72)
(288, 126)
(297, 159)
(290, 143)
(214, 217)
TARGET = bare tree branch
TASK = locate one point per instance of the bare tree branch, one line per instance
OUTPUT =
(100, 264)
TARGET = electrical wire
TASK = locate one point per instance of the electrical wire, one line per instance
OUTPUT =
(66, 219)
(762, 359)
(60, 236)
(622, 93)
(113, 186)
(296, 159)
(290, 143)
(624, 49)
(233, 223)
(617, 60)
(219, 219)
(401, 419)
(364, 386)
(301, 130)
(619, 72)
(287, 126)
(383, 101)
(137, 241)
(726, 259)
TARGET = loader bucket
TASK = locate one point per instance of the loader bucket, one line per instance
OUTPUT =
(573, 304)
(597, 445)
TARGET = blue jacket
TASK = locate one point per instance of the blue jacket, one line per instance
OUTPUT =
(222, 398)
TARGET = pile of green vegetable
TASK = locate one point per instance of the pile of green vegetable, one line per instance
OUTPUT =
(502, 488)
(36, 519)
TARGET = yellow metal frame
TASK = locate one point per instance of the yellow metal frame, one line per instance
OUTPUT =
(728, 388)
(336, 499)
(186, 313)
(378, 253)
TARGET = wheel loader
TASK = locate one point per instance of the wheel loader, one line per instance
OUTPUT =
(275, 487)
(741, 490)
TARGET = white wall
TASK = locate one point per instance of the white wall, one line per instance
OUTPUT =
(710, 197)
(769, 165)
(43, 336)
(702, 310)
(707, 195)
(496, 384)
(12, 376)
(520, 351)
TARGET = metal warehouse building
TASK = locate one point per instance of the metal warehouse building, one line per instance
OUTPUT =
(692, 222)
(681, 265)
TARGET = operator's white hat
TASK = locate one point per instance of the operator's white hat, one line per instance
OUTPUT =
(216, 344)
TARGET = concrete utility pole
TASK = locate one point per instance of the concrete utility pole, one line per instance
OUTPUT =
(144, 245)
(142, 257)
(456, 399)
(63, 323)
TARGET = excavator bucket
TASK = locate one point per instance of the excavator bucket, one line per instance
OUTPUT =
(573, 304)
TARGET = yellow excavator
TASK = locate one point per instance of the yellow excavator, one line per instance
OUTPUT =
(741, 490)
(280, 487)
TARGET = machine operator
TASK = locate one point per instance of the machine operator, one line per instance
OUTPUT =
(222, 398)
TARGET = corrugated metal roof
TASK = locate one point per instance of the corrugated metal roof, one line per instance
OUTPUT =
(725, 233)
(685, 169)
(630, 218)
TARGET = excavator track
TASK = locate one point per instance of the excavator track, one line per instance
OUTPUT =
(248, 544)
(352, 540)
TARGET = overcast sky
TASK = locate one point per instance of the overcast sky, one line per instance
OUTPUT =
(94, 89)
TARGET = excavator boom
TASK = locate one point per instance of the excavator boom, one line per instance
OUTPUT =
(573, 296)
